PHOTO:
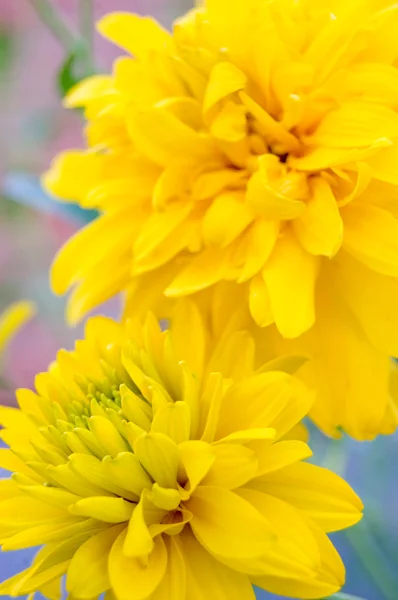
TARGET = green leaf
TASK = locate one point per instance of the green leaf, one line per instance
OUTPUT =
(73, 69)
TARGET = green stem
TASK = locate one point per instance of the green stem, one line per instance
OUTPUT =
(360, 536)
(56, 24)
(86, 19)
(365, 548)
(342, 596)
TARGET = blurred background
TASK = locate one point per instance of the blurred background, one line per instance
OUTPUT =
(41, 55)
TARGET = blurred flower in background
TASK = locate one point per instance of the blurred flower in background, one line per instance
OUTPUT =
(36, 66)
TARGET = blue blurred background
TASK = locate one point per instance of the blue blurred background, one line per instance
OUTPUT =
(35, 70)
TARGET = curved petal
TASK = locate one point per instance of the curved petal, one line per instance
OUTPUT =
(259, 302)
(317, 492)
(290, 275)
(173, 584)
(87, 575)
(234, 465)
(295, 548)
(220, 581)
(228, 526)
(320, 227)
(225, 219)
(128, 574)
(158, 454)
(371, 236)
(373, 298)
(138, 35)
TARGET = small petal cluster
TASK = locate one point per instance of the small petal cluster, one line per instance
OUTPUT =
(256, 144)
(150, 469)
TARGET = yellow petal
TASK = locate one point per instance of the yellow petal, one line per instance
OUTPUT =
(73, 174)
(32, 581)
(165, 498)
(301, 400)
(333, 40)
(319, 493)
(25, 511)
(311, 588)
(158, 227)
(226, 525)
(205, 269)
(376, 83)
(259, 302)
(224, 79)
(82, 251)
(383, 165)
(244, 436)
(158, 454)
(108, 435)
(279, 455)
(320, 228)
(103, 508)
(274, 132)
(371, 236)
(267, 201)
(234, 356)
(221, 582)
(254, 402)
(96, 472)
(127, 574)
(138, 541)
(13, 319)
(55, 531)
(210, 184)
(197, 458)
(295, 548)
(15, 419)
(52, 496)
(322, 158)
(229, 124)
(89, 89)
(138, 35)
(355, 125)
(234, 465)
(100, 283)
(374, 299)
(162, 137)
(173, 584)
(188, 317)
(173, 420)
(9, 489)
(329, 578)
(219, 230)
(262, 236)
(88, 571)
(290, 275)
(349, 373)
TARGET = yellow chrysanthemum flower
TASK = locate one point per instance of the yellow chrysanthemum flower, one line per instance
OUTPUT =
(255, 144)
(12, 319)
(150, 468)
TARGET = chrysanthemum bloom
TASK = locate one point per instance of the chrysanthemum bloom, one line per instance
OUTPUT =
(12, 319)
(150, 469)
(255, 144)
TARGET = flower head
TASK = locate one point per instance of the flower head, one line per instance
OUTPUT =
(255, 144)
(150, 468)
